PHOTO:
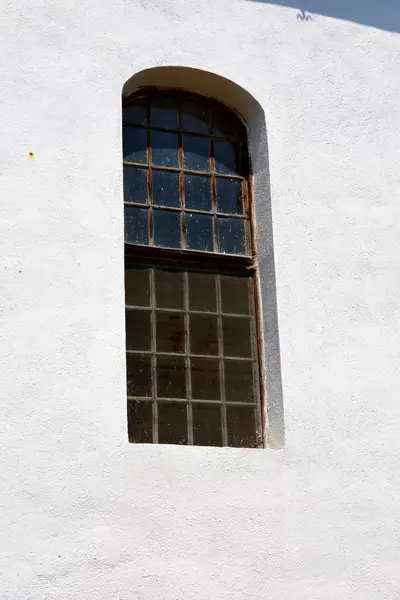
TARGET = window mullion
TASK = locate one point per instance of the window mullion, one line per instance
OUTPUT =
(221, 365)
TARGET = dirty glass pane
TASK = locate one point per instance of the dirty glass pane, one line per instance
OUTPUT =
(167, 228)
(135, 185)
(235, 294)
(172, 423)
(170, 329)
(164, 113)
(137, 287)
(198, 192)
(205, 379)
(164, 149)
(225, 124)
(231, 236)
(207, 429)
(165, 186)
(229, 195)
(239, 384)
(140, 422)
(137, 329)
(138, 375)
(136, 229)
(203, 334)
(171, 377)
(169, 289)
(134, 144)
(226, 157)
(196, 152)
(202, 292)
(236, 333)
(135, 113)
(195, 117)
(199, 232)
(241, 427)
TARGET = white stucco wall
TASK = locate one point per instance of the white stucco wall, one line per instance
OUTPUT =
(84, 514)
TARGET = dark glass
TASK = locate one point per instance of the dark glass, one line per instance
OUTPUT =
(165, 186)
(202, 292)
(138, 332)
(207, 428)
(138, 375)
(226, 157)
(198, 192)
(164, 113)
(167, 228)
(164, 149)
(171, 377)
(169, 289)
(205, 379)
(237, 336)
(229, 196)
(136, 229)
(135, 113)
(241, 427)
(226, 124)
(137, 287)
(172, 423)
(195, 117)
(231, 236)
(135, 185)
(203, 334)
(140, 422)
(170, 329)
(134, 144)
(199, 232)
(235, 294)
(196, 153)
(239, 382)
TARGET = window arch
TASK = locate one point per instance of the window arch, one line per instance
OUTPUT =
(191, 315)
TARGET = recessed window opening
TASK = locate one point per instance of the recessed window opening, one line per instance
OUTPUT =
(192, 349)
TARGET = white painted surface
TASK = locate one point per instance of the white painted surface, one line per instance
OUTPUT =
(83, 514)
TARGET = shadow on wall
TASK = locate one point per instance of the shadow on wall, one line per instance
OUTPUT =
(382, 14)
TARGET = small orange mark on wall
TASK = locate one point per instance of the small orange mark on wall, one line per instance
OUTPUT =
(59, 556)
(31, 156)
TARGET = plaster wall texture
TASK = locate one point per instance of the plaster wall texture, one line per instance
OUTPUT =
(83, 513)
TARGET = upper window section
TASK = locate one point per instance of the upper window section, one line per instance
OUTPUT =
(185, 175)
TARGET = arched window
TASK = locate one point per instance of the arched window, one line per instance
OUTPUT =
(191, 314)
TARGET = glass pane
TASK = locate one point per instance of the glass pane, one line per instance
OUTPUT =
(235, 294)
(135, 113)
(195, 117)
(140, 422)
(171, 377)
(229, 195)
(202, 292)
(138, 375)
(196, 151)
(137, 329)
(134, 144)
(164, 149)
(165, 186)
(135, 185)
(231, 236)
(226, 157)
(225, 124)
(203, 334)
(172, 423)
(241, 427)
(237, 336)
(169, 289)
(136, 230)
(239, 384)
(205, 379)
(167, 228)
(198, 192)
(199, 232)
(164, 113)
(137, 287)
(170, 332)
(207, 429)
